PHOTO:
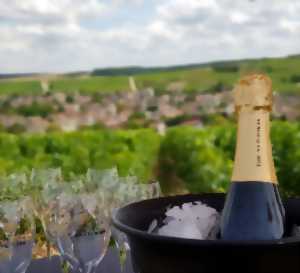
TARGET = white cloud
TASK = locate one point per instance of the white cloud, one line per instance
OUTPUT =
(49, 35)
(187, 11)
(239, 17)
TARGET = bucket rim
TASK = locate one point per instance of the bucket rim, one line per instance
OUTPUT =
(145, 235)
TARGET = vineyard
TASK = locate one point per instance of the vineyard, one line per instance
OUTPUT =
(208, 78)
(185, 159)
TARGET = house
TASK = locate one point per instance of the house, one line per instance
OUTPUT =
(36, 124)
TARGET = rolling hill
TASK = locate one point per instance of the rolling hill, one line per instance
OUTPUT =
(207, 77)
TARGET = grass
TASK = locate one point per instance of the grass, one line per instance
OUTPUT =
(90, 84)
(208, 78)
(196, 80)
(20, 87)
(280, 70)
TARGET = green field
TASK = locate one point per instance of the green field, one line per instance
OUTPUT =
(196, 80)
(90, 84)
(214, 77)
(20, 87)
(284, 72)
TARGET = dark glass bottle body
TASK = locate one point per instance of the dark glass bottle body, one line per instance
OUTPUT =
(253, 209)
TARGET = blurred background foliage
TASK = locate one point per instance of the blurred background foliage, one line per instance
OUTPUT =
(173, 124)
(132, 152)
(202, 160)
(186, 159)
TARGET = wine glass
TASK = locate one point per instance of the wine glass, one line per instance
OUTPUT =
(17, 229)
(78, 228)
(130, 191)
(61, 221)
(55, 207)
(91, 241)
(76, 216)
(93, 217)
(72, 219)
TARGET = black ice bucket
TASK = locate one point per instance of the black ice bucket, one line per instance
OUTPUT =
(159, 254)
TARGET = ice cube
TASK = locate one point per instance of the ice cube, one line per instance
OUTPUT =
(182, 230)
(191, 220)
(152, 226)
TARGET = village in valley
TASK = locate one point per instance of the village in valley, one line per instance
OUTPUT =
(127, 109)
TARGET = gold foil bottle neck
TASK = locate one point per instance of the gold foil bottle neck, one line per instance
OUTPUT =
(253, 92)
(253, 156)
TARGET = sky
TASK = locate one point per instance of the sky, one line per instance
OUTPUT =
(72, 35)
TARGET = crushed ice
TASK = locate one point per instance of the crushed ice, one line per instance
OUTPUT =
(193, 220)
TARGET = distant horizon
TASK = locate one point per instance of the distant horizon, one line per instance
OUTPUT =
(147, 67)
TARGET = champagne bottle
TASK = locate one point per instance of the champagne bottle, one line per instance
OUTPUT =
(253, 209)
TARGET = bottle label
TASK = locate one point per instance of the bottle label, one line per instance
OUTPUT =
(253, 158)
